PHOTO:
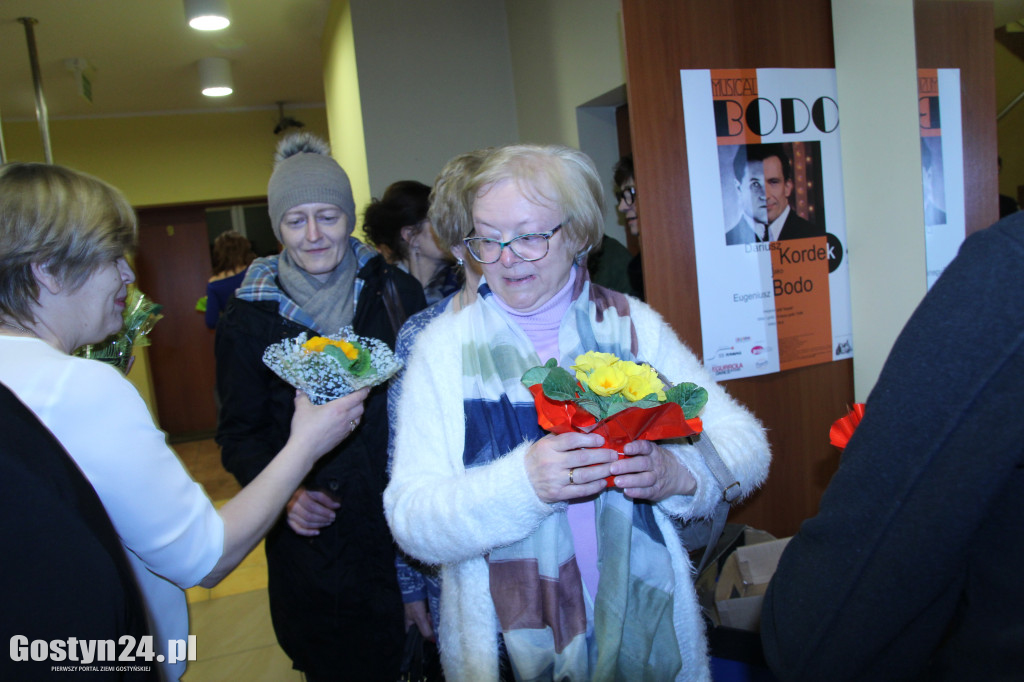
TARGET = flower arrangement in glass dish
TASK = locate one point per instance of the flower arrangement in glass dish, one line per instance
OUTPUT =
(618, 399)
(329, 367)
(140, 314)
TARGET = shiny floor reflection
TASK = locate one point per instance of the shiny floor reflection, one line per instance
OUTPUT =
(231, 622)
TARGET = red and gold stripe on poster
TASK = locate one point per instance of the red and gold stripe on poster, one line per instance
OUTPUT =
(737, 106)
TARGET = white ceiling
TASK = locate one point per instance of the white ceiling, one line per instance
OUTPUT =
(142, 56)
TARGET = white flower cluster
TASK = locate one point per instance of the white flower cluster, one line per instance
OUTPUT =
(324, 378)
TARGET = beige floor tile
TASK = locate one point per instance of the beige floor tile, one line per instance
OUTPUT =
(234, 636)
(265, 664)
(232, 624)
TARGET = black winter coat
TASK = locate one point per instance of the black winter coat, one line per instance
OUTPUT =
(334, 598)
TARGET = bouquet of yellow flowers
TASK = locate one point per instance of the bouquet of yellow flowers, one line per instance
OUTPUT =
(329, 367)
(619, 399)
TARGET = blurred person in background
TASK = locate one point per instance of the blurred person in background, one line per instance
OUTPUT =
(398, 225)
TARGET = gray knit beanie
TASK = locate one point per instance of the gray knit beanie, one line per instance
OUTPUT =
(305, 173)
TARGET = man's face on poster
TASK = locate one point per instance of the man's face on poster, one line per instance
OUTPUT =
(777, 188)
(752, 192)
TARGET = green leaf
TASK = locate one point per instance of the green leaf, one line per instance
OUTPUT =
(340, 356)
(646, 403)
(616, 407)
(534, 376)
(362, 366)
(537, 375)
(559, 384)
(592, 406)
(691, 397)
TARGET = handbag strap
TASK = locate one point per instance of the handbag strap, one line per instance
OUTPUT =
(730, 491)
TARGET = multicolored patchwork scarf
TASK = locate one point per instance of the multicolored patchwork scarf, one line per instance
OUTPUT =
(262, 284)
(535, 583)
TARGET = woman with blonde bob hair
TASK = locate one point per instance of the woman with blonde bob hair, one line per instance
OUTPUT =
(542, 561)
(64, 237)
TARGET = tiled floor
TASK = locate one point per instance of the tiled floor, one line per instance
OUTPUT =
(231, 622)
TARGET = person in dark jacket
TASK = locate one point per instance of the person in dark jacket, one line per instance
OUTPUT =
(334, 596)
(71, 577)
(911, 569)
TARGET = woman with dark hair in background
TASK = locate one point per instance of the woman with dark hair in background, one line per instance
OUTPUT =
(625, 193)
(232, 253)
(397, 224)
(421, 588)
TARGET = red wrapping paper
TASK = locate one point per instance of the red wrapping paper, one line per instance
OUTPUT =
(633, 423)
(844, 427)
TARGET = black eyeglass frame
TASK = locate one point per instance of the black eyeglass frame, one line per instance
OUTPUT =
(468, 241)
(627, 194)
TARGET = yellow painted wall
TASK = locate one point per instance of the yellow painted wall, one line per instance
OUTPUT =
(167, 159)
(880, 121)
(341, 92)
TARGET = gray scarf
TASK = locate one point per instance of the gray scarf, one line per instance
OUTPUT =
(331, 304)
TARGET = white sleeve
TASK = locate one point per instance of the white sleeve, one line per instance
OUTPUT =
(439, 511)
(737, 434)
(160, 513)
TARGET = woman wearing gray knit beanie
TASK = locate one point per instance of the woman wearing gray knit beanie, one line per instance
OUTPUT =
(334, 597)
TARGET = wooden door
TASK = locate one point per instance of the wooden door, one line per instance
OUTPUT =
(960, 35)
(663, 36)
(173, 266)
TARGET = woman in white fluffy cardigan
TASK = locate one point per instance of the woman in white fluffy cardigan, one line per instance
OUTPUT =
(547, 571)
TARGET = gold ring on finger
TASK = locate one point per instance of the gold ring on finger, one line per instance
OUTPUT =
(571, 482)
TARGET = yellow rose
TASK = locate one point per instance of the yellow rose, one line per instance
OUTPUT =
(643, 384)
(607, 380)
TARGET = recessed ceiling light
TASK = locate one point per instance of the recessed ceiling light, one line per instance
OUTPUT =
(207, 15)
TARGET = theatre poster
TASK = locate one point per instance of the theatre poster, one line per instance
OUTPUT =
(942, 167)
(768, 218)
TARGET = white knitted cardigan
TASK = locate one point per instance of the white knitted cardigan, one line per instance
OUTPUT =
(442, 513)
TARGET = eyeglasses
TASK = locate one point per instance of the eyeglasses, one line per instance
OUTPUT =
(529, 247)
(626, 195)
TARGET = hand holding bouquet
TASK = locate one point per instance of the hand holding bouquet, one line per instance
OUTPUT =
(619, 399)
(329, 367)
